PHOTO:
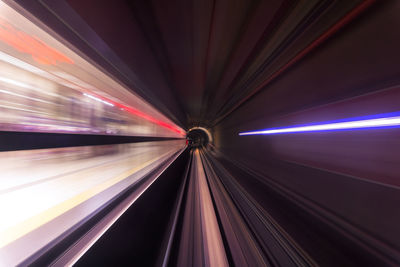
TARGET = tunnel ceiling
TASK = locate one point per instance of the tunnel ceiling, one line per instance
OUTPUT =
(198, 61)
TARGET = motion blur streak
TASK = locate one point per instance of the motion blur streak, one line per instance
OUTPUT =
(25, 43)
(199, 133)
(98, 99)
(349, 125)
(208, 248)
(59, 181)
(50, 90)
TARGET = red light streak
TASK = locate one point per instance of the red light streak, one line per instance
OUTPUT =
(148, 118)
(141, 114)
(31, 45)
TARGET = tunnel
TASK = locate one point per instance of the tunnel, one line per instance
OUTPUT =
(198, 137)
(199, 133)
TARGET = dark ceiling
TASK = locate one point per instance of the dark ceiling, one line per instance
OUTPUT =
(202, 59)
(199, 61)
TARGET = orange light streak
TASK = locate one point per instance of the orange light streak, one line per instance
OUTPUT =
(25, 43)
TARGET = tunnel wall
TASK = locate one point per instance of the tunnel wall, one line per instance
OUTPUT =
(352, 175)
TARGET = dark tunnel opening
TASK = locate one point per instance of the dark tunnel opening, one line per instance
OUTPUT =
(198, 137)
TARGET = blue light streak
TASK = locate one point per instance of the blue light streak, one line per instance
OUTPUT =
(375, 121)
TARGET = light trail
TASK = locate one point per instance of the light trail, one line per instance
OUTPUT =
(99, 100)
(380, 122)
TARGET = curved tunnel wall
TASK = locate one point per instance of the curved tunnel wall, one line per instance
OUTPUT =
(334, 193)
(351, 176)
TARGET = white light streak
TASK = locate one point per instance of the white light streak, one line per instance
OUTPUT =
(16, 83)
(23, 96)
(98, 99)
